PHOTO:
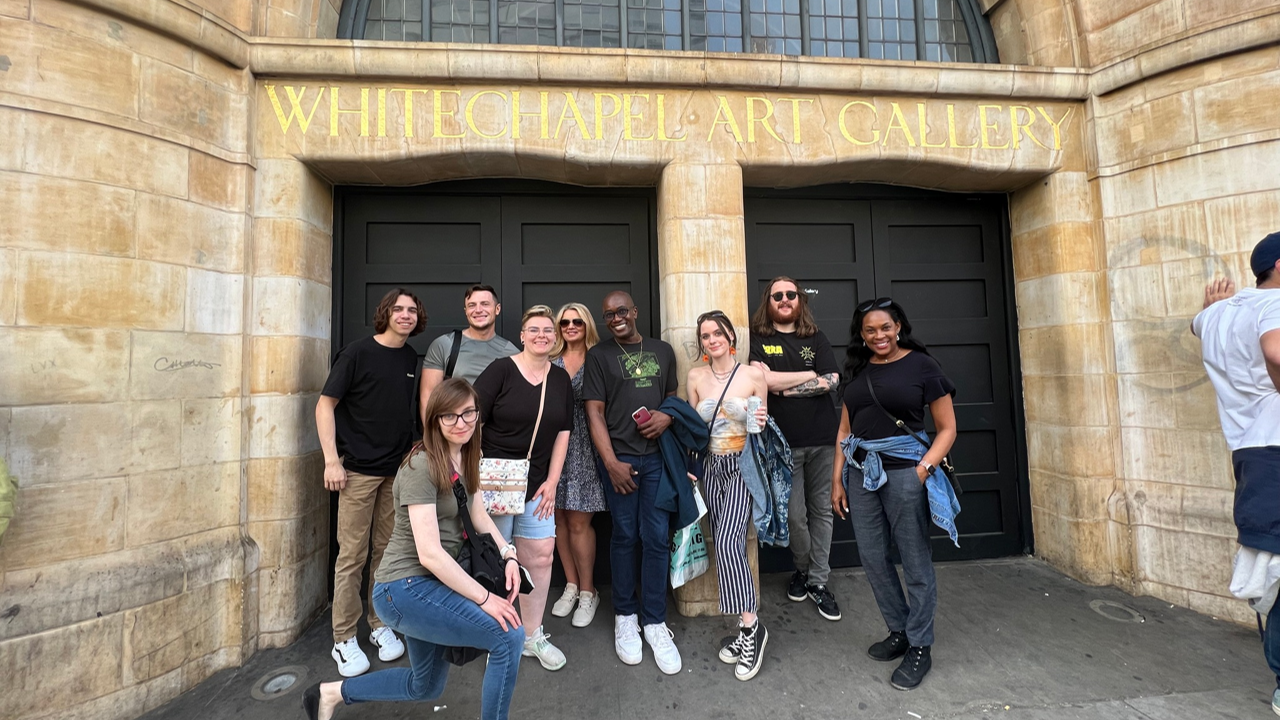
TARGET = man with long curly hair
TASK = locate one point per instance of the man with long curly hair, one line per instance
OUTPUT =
(366, 425)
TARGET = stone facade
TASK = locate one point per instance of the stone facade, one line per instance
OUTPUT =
(166, 170)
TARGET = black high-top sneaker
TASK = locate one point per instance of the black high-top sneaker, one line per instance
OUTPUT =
(915, 665)
(798, 588)
(751, 654)
(890, 648)
(730, 653)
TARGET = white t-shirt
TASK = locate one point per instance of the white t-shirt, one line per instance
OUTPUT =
(1230, 333)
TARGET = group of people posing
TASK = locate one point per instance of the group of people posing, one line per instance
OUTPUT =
(600, 424)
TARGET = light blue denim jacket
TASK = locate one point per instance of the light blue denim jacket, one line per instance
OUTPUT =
(765, 464)
(943, 505)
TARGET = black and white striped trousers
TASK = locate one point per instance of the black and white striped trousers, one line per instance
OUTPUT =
(729, 505)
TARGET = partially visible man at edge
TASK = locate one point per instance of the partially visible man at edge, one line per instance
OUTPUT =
(1240, 345)
(801, 371)
(480, 345)
(365, 422)
(624, 374)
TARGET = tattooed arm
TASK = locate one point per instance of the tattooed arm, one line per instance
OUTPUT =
(820, 385)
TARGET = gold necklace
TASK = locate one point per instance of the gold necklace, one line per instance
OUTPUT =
(725, 375)
(632, 360)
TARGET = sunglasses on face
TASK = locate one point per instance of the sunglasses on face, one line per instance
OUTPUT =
(576, 322)
(789, 294)
(878, 303)
(609, 315)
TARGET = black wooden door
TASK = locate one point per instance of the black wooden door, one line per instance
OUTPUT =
(534, 242)
(945, 261)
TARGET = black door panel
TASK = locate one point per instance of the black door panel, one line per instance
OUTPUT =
(944, 260)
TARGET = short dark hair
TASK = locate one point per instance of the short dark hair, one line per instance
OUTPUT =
(382, 315)
(1266, 275)
(480, 288)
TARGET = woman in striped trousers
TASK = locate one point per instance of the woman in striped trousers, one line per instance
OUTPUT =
(731, 397)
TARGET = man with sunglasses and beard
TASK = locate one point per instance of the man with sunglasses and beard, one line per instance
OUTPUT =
(801, 372)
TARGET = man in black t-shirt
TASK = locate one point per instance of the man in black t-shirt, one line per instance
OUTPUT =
(801, 371)
(366, 425)
(627, 377)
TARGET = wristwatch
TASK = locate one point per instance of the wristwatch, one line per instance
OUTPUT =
(928, 468)
(505, 548)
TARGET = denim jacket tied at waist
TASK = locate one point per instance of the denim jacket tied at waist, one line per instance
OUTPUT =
(943, 505)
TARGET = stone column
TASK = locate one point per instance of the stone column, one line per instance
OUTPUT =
(702, 263)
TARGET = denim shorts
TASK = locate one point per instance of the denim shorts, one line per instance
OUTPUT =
(526, 526)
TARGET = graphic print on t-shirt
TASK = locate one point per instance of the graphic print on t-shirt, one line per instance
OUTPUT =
(641, 367)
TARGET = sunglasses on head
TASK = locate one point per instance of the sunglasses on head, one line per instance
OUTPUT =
(576, 322)
(878, 303)
(789, 294)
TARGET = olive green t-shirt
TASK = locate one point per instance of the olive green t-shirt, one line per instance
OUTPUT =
(415, 486)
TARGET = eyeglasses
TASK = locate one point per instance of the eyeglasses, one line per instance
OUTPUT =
(790, 295)
(621, 313)
(576, 322)
(883, 302)
(466, 416)
(539, 331)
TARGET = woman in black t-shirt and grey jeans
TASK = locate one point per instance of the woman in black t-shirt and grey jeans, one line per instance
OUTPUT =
(890, 476)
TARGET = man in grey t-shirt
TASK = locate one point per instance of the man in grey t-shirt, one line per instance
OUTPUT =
(481, 344)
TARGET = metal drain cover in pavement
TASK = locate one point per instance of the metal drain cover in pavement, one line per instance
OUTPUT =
(280, 681)
(1116, 611)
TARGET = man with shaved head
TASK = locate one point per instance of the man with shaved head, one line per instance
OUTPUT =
(627, 377)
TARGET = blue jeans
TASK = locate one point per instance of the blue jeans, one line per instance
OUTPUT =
(637, 520)
(897, 512)
(433, 617)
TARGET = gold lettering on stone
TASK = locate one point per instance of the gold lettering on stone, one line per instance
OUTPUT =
(571, 107)
(723, 110)
(295, 107)
(335, 112)
(951, 129)
(600, 116)
(844, 128)
(628, 130)
(662, 122)
(923, 127)
(898, 122)
(1019, 128)
(795, 116)
(517, 114)
(986, 126)
(1057, 126)
(470, 114)
(438, 115)
(762, 120)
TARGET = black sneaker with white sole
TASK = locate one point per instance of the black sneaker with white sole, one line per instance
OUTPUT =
(825, 601)
(732, 650)
(751, 652)
(798, 588)
(915, 665)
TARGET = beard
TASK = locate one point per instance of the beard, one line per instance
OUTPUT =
(776, 314)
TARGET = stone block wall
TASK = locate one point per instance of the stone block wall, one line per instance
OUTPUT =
(1185, 177)
(125, 188)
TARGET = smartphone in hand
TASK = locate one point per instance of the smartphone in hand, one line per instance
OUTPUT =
(642, 415)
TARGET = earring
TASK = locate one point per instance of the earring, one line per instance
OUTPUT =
(899, 338)
(706, 358)
(733, 351)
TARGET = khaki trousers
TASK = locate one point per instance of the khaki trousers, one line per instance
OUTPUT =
(365, 505)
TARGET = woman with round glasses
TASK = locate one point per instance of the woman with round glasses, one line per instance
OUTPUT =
(580, 494)
(419, 590)
(731, 397)
(511, 394)
(888, 483)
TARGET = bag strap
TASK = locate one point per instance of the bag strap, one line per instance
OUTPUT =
(453, 354)
(542, 402)
(921, 439)
(727, 383)
(460, 494)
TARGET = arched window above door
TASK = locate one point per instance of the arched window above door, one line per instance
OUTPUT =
(931, 30)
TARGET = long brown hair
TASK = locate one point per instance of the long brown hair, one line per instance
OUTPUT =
(447, 397)
(762, 325)
(382, 315)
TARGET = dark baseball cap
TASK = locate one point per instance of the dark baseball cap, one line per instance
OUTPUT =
(1265, 254)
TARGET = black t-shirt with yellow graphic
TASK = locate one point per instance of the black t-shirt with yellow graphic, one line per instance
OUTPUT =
(627, 378)
(805, 421)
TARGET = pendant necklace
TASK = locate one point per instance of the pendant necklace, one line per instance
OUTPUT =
(633, 360)
(722, 376)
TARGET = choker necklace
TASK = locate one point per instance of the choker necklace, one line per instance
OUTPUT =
(725, 375)
(633, 360)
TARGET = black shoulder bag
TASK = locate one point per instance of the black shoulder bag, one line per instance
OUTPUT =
(695, 457)
(948, 469)
(453, 354)
(480, 558)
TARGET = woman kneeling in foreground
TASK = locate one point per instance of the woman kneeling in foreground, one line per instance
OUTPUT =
(419, 589)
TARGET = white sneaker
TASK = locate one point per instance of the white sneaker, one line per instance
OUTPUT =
(564, 605)
(626, 639)
(350, 658)
(586, 612)
(540, 647)
(664, 650)
(389, 646)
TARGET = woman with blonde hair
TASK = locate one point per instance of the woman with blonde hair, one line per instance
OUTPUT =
(580, 494)
(521, 395)
(420, 590)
